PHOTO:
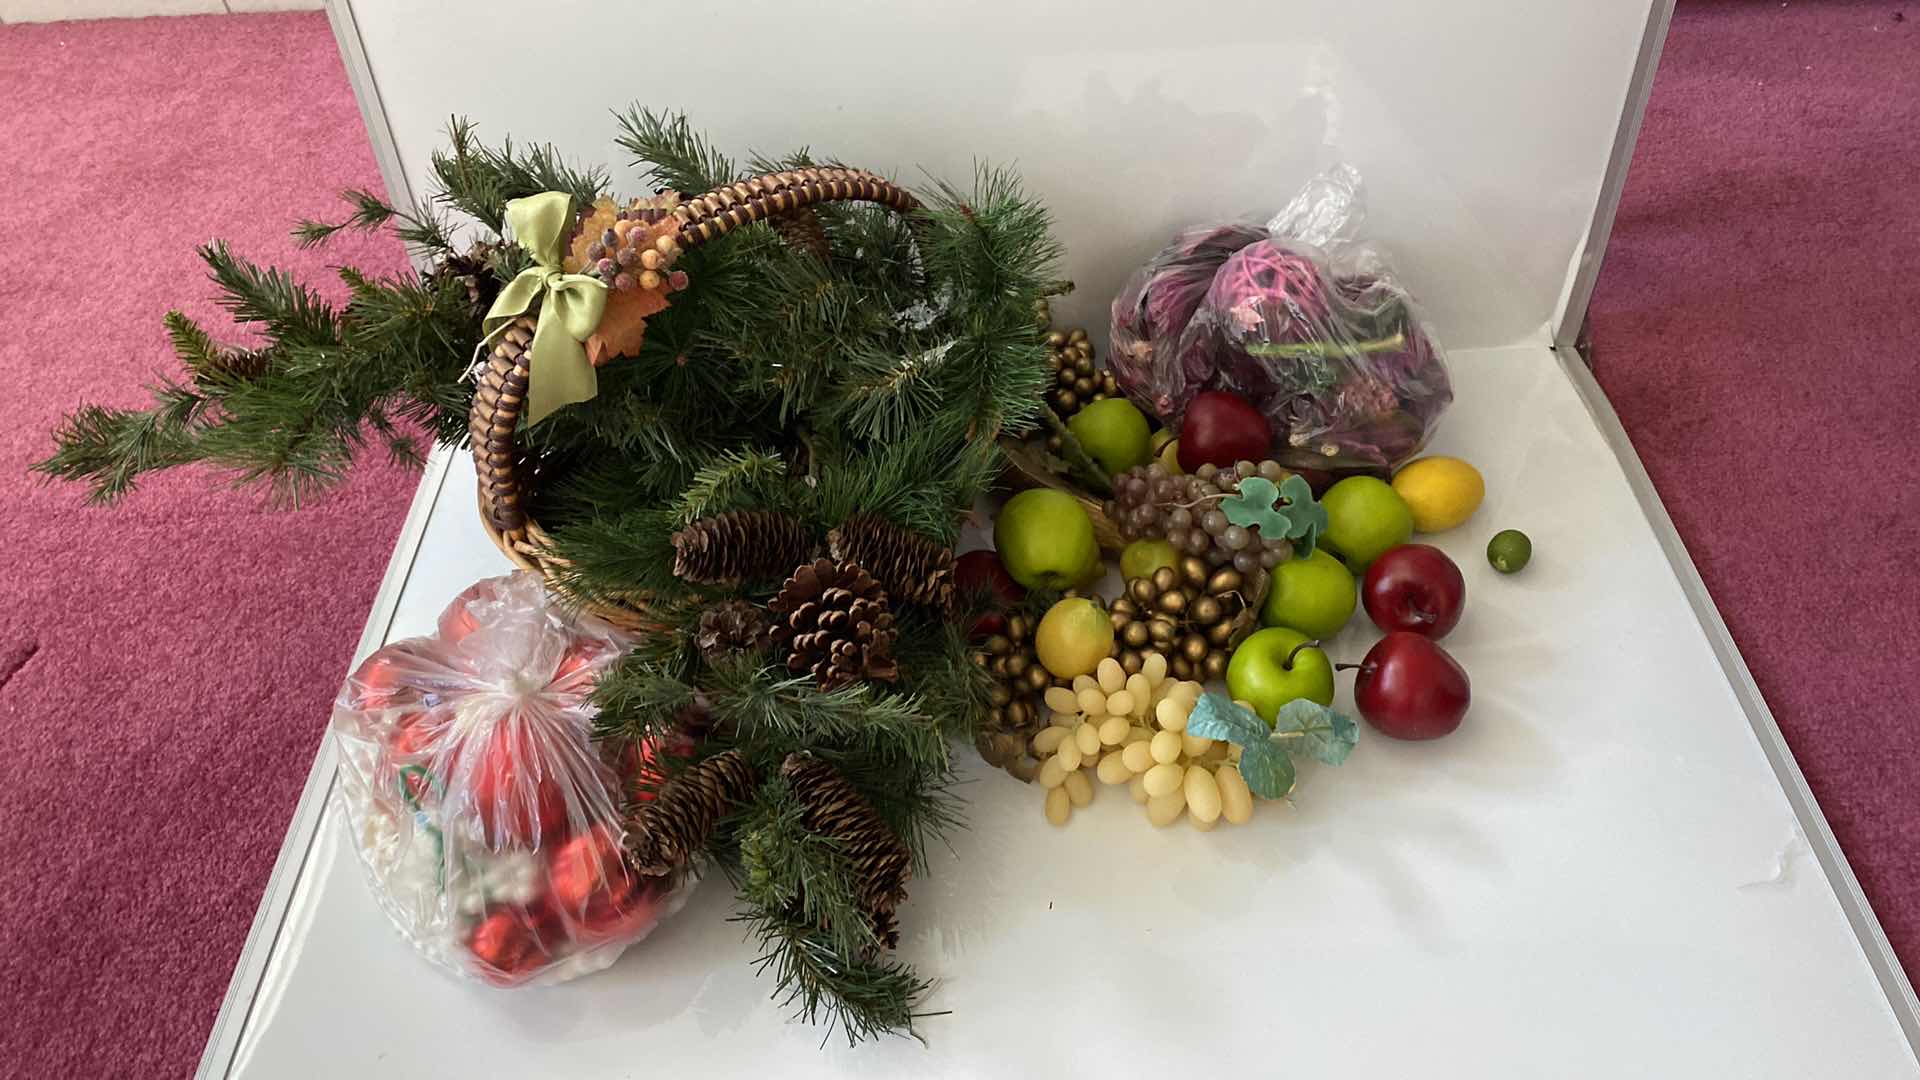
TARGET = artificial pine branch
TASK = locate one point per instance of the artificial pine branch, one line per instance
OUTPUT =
(478, 180)
(774, 714)
(288, 311)
(109, 449)
(421, 229)
(863, 997)
(737, 479)
(618, 556)
(671, 153)
(790, 868)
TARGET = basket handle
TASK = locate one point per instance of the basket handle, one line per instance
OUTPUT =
(501, 392)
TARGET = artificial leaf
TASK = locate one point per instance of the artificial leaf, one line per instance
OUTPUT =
(623, 326)
(1309, 517)
(604, 214)
(1323, 733)
(1215, 716)
(624, 323)
(1286, 509)
(1268, 769)
(1253, 507)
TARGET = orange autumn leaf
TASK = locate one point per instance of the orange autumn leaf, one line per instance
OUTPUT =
(591, 227)
(624, 323)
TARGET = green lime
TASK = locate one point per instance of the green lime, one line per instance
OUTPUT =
(1509, 550)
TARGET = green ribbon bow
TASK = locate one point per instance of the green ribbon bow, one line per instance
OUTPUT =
(559, 373)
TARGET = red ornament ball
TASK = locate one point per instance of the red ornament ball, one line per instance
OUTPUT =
(589, 883)
(508, 946)
(381, 681)
(518, 804)
(579, 657)
(410, 752)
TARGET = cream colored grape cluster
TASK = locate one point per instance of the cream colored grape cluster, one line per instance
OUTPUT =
(1131, 729)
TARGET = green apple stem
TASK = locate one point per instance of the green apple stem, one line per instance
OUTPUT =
(1287, 664)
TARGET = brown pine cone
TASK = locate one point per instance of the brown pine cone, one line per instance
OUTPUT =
(802, 230)
(474, 270)
(909, 566)
(835, 624)
(729, 627)
(662, 835)
(882, 864)
(727, 549)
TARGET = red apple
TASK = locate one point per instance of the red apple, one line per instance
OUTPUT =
(1409, 688)
(1221, 428)
(1414, 587)
(983, 572)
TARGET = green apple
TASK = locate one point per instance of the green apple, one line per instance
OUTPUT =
(1365, 517)
(1315, 595)
(1262, 675)
(1045, 539)
(1114, 433)
(1142, 557)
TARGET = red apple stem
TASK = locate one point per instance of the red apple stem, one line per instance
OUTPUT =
(1287, 664)
(1348, 667)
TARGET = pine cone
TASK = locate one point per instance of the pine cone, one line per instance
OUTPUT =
(238, 364)
(802, 231)
(909, 566)
(729, 627)
(882, 864)
(666, 832)
(728, 548)
(474, 269)
(835, 623)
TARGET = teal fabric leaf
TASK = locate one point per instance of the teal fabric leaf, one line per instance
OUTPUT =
(1323, 733)
(1268, 769)
(1287, 509)
(1264, 760)
(1215, 716)
(1253, 507)
(1309, 517)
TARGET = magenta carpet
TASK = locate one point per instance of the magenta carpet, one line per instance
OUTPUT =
(1758, 329)
(165, 668)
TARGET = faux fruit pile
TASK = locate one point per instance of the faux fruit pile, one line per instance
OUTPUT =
(1235, 569)
(1132, 730)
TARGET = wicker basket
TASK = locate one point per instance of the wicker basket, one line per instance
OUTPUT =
(505, 472)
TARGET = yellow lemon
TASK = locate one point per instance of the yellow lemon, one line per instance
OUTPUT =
(1073, 637)
(1441, 491)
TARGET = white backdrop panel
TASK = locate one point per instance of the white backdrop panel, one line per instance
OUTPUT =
(1482, 129)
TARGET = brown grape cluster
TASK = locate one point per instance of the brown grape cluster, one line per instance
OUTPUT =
(1151, 502)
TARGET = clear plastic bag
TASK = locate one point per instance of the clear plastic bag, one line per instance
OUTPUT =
(1299, 318)
(487, 817)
